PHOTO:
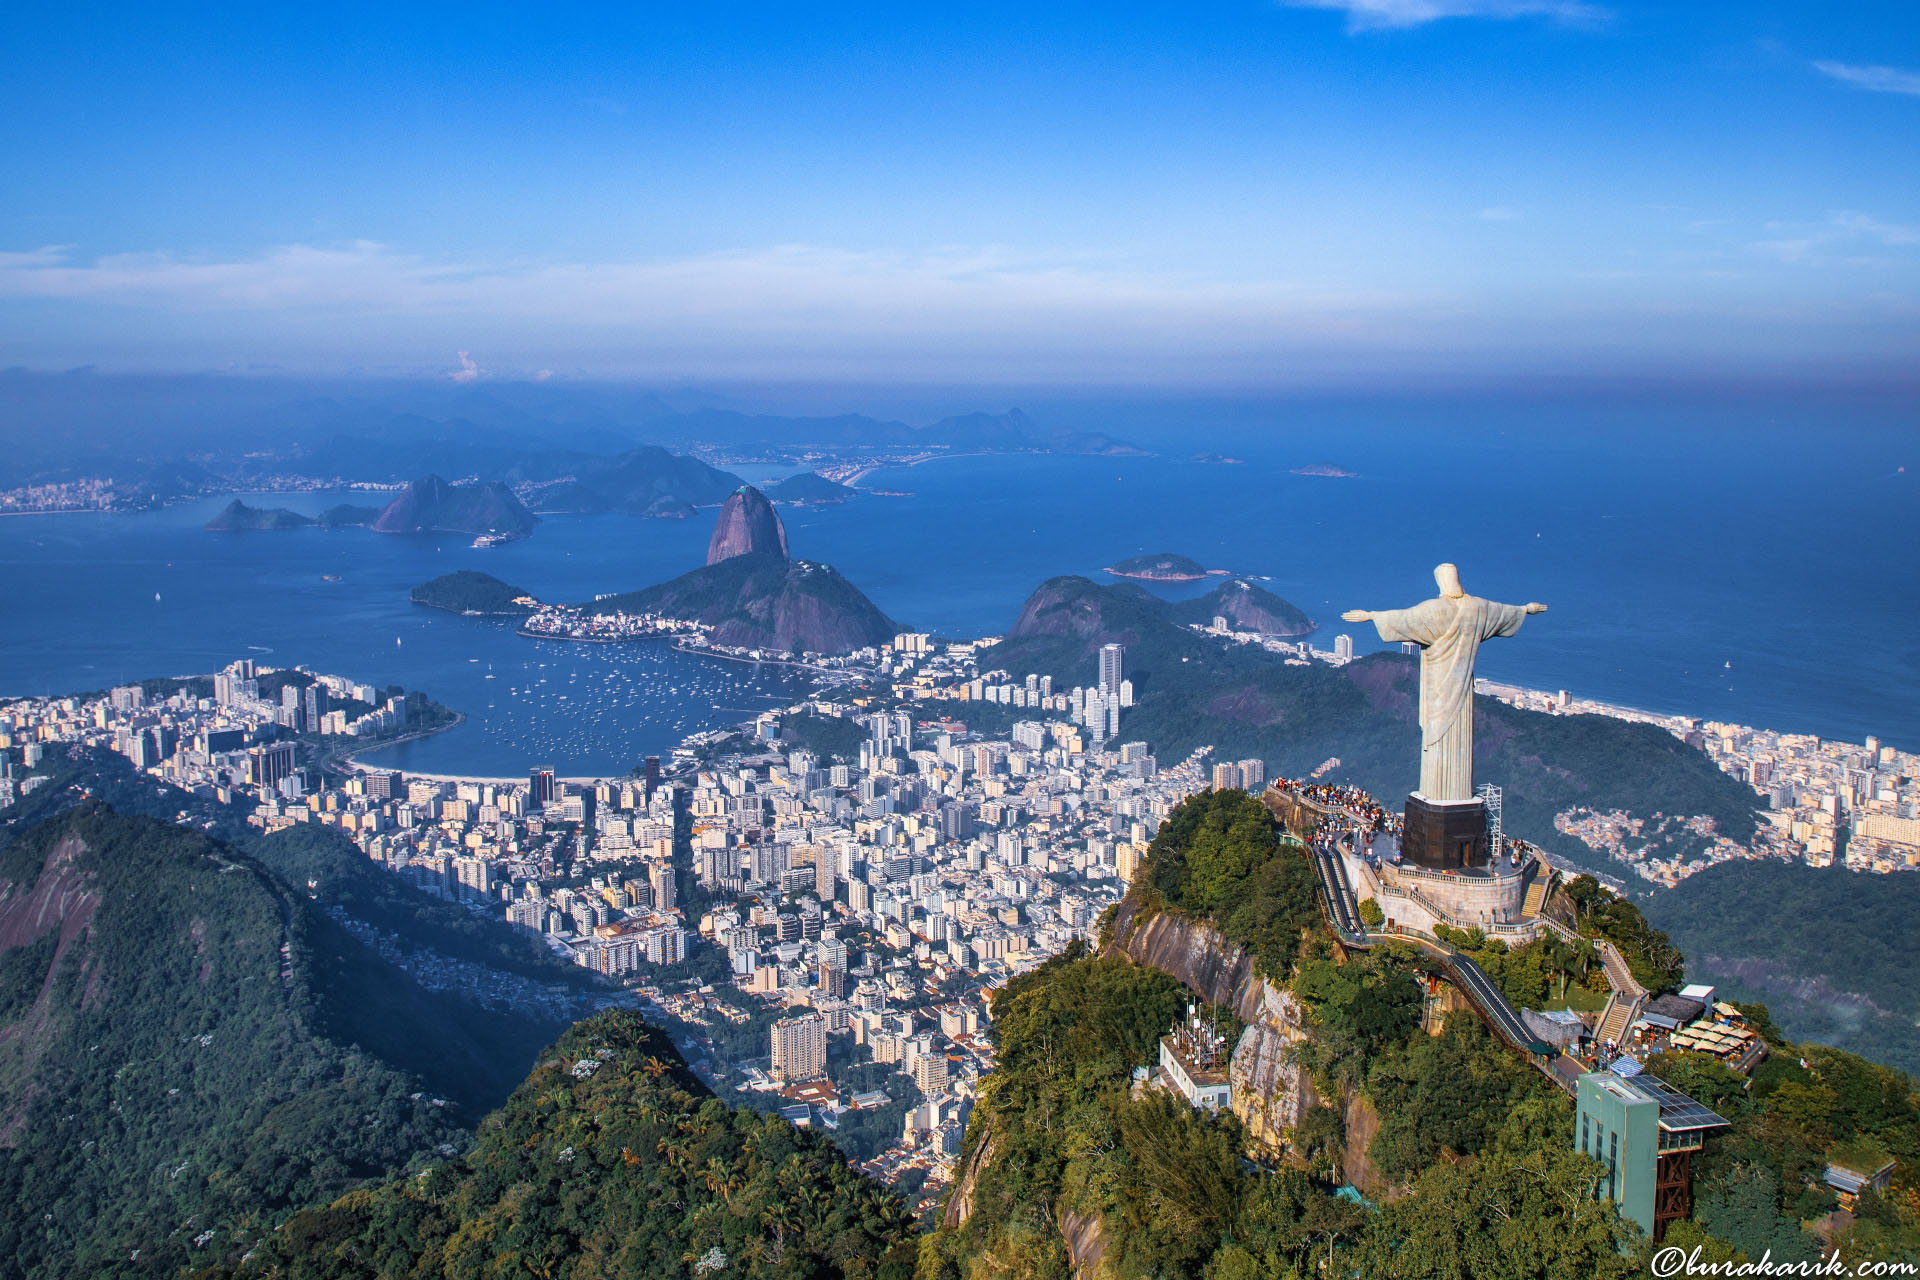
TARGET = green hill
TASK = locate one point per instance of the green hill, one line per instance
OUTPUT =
(765, 601)
(1247, 607)
(612, 1159)
(190, 1043)
(469, 591)
(1193, 691)
(1068, 1166)
(168, 1058)
(431, 504)
(1831, 951)
(643, 481)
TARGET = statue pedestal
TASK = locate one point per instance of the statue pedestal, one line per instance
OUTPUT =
(1444, 836)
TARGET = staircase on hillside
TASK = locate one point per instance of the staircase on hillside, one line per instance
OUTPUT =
(1618, 974)
(1616, 1018)
(1536, 898)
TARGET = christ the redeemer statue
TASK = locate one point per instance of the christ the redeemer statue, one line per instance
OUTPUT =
(1448, 630)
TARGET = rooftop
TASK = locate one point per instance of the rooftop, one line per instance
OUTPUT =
(1678, 1112)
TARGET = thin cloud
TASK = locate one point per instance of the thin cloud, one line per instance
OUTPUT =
(1863, 224)
(803, 311)
(1837, 241)
(1875, 79)
(1383, 15)
(787, 284)
(1498, 213)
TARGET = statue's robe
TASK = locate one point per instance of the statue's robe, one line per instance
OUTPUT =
(1449, 632)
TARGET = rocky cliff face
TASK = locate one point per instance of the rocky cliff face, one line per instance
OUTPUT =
(1085, 1235)
(748, 525)
(1270, 1093)
(959, 1205)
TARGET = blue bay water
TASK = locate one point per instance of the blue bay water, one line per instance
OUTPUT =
(1767, 580)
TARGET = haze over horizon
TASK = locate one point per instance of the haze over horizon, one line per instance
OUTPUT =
(1323, 192)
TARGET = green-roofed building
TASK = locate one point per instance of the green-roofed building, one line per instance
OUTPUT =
(1645, 1132)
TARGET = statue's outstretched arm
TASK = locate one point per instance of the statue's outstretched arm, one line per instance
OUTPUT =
(1361, 615)
(1536, 607)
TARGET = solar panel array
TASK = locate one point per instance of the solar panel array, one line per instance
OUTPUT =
(1677, 1110)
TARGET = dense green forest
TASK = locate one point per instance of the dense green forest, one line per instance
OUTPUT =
(293, 1073)
(171, 1064)
(1065, 1136)
(1222, 857)
(1656, 963)
(1833, 953)
(1193, 690)
(611, 1160)
(1806, 1104)
(1462, 1093)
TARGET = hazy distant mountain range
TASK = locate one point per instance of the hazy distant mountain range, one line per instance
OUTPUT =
(561, 448)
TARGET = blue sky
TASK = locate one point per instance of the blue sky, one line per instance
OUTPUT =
(1214, 194)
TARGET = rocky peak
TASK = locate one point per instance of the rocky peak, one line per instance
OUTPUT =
(748, 525)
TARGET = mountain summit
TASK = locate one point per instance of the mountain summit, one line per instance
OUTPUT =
(433, 504)
(755, 596)
(748, 525)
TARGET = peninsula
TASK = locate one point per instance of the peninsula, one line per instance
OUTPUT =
(751, 595)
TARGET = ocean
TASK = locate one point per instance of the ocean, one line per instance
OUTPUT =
(1760, 577)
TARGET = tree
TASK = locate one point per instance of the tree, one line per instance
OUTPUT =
(1525, 1210)
(1743, 1209)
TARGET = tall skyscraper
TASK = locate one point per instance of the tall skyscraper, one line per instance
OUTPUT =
(540, 787)
(1343, 647)
(799, 1047)
(1110, 658)
(315, 700)
(665, 892)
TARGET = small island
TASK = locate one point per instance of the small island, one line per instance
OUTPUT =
(1325, 469)
(1218, 459)
(1162, 566)
(809, 488)
(238, 517)
(480, 594)
(668, 507)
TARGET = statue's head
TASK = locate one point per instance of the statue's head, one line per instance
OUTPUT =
(1448, 577)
